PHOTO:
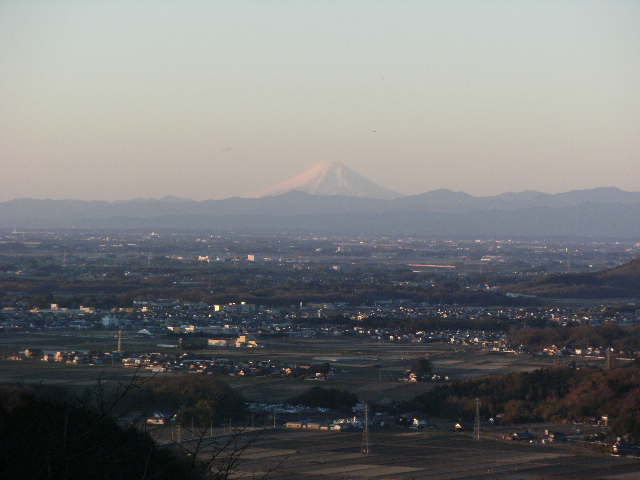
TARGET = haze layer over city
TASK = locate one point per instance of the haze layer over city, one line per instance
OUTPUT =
(322, 240)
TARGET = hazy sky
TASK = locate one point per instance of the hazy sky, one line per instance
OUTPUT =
(114, 99)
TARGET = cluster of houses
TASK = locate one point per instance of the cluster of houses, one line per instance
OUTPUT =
(75, 357)
(590, 352)
(156, 362)
(343, 424)
(338, 425)
(305, 320)
(242, 341)
(413, 377)
(240, 325)
(377, 420)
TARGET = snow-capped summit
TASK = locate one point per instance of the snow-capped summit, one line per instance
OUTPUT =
(330, 178)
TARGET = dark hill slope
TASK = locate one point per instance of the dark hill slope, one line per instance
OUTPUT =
(622, 281)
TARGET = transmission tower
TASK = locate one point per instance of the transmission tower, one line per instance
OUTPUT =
(178, 425)
(119, 345)
(610, 359)
(365, 431)
(476, 426)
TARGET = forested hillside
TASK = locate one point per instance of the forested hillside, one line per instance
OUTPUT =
(555, 394)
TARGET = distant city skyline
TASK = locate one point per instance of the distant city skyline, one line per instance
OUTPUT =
(139, 99)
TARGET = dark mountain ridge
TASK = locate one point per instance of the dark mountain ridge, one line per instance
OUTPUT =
(602, 212)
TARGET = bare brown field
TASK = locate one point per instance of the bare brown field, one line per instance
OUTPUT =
(372, 370)
(63, 375)
(443, 456)
(102, 340)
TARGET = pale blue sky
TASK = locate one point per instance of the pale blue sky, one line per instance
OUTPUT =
(114, 99)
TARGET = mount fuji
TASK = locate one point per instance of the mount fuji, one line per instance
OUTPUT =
(330, 179)
(331, 197)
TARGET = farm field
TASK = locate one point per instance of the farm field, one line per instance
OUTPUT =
(440, 455)
(371, 370)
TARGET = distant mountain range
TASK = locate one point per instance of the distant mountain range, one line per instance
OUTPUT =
(341, 201)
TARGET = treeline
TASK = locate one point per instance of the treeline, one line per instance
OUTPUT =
(438, 323)
(117, 291)
(356, 293)
(621, 338)
(47, 438)
(553, 394)
(494, 324)
(320, 397)
(55, 432)
(194, 399)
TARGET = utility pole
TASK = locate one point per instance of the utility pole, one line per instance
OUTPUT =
(179, 418)
(476, 427)
(365, 431)
(179, 431)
